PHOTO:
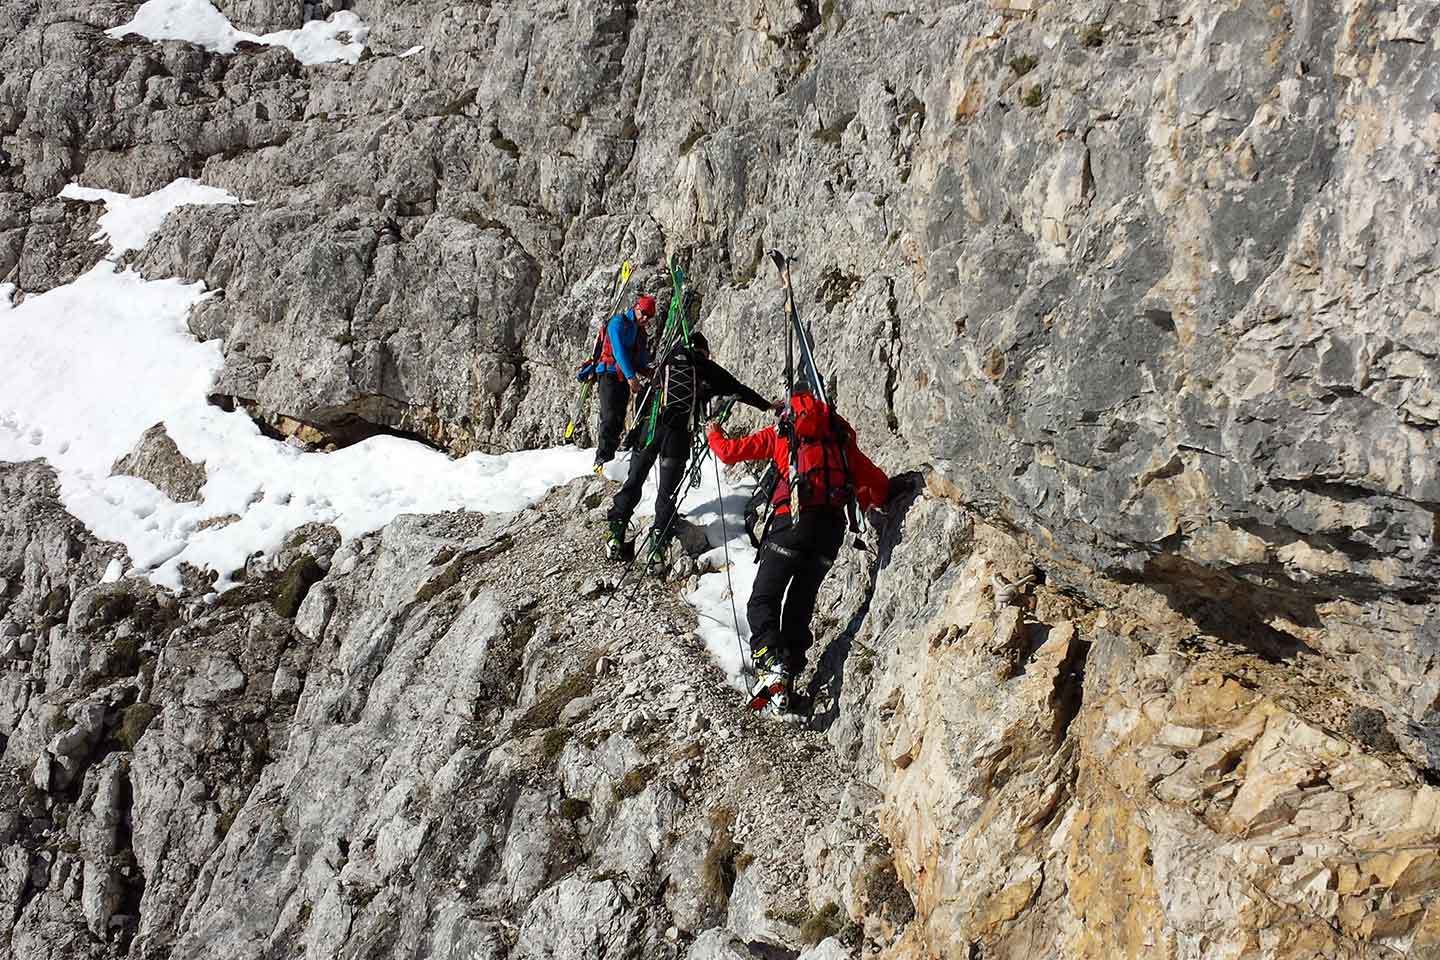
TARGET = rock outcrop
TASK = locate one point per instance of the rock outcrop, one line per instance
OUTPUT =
(436, 743)
(1145, 290)
(157, 459)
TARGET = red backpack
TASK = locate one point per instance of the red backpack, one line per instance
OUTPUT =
(818, 437)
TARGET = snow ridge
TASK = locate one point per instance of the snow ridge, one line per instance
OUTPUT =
(341, 38)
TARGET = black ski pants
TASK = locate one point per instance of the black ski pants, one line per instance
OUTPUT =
(614, 398)
(794, 559)
(671, 447)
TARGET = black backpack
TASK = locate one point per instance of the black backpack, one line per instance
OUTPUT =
(757, 508)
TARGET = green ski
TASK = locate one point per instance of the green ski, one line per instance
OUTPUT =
(677, 330)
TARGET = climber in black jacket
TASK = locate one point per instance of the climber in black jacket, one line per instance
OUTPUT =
(689, 380)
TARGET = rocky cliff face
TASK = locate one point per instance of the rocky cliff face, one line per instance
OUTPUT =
(1146, 291)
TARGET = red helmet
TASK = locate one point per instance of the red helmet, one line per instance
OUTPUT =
(645, 304)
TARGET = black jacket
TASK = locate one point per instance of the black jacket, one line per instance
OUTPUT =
(691, 380)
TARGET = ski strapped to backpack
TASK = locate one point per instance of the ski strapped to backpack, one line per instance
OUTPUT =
(675, 334)
(797, 334)
(586, 372)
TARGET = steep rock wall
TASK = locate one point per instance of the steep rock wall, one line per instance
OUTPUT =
(1146, 289)
(1150, 281)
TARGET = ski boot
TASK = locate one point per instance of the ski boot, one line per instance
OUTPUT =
(770, 693)
(616, 547)
(655, 561)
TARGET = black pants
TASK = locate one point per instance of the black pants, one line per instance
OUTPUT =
(794, 559)
(614, 398)
(672, 448)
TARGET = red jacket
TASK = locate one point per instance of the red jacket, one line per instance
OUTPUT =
(811, 417)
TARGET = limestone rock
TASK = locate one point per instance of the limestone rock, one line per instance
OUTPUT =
(157, 459)
(1146, 291)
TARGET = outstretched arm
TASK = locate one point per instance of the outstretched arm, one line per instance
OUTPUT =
(756, 446)
(723, 383)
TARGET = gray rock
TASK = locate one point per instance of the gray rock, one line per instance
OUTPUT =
(828, 949)
(1148, 288)
(578, 918)
(718, 943)
(157, 459)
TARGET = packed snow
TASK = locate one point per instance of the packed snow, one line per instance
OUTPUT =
(719, 598)
(87, 367)
(128, 222)
(341, 38)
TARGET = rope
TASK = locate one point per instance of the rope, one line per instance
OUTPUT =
(729, 583)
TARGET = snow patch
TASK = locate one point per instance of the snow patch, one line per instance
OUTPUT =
(341, 38)
(129, 222)
(194, 21)
(719, 600)
(113, 570)
(411, 52)
(87, 367)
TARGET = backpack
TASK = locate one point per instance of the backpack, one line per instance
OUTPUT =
(607, 349)
(817, 437)
(680, 390)
(757, 508)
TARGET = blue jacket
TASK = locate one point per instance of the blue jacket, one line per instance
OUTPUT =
(626, 348)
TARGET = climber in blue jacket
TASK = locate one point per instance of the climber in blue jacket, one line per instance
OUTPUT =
(624, 359)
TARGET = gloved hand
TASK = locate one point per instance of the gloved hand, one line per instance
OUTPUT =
(634, 383)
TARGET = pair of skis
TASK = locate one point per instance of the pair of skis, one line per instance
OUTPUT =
(799, 334)
(621, 284)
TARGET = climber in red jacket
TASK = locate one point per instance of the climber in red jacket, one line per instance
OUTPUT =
(804, 534)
